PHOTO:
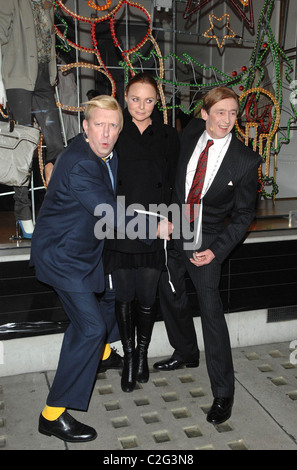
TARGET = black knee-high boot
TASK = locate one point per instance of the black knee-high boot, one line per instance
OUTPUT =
(145, 322)
(126, 322)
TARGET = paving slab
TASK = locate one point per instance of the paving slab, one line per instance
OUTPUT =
(169, 412)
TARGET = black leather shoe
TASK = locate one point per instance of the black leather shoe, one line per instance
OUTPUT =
(172, 364)
(220, 411)
(66, 428)
(114, 361)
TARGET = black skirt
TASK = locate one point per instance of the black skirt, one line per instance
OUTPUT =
(113, 260)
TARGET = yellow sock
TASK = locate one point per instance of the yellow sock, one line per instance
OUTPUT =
(106, 352)
(52, 412)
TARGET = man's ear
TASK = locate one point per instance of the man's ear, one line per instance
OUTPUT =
(85, 128)
(204, 114)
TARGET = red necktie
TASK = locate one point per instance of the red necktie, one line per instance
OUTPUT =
(195, 192)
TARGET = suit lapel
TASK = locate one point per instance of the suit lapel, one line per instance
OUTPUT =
(188, 150)
(226, 168)
(188, 147)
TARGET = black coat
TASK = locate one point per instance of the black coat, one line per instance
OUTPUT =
(146, 171)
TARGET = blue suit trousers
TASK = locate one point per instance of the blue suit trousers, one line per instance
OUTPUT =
(92, 325)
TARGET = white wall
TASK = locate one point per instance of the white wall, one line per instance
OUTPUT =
(41, 353)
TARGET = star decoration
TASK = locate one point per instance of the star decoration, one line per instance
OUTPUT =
(193, 7)
(246, 3)
(231, 33)
(188, 11)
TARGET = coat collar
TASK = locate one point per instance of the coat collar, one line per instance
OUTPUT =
(155, 116)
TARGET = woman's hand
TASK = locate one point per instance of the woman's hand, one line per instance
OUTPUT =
(164, 229)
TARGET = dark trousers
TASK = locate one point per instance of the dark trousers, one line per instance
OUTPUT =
(178, 318)
(40, 103)
(92, 325)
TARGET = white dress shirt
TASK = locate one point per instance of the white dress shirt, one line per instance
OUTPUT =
(216, 155)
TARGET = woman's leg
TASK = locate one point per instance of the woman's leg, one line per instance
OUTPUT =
(124, 284)
(146, 289)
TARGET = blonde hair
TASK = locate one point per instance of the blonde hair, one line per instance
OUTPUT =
(103, 102)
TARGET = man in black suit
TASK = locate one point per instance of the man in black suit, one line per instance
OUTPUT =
(229, 190)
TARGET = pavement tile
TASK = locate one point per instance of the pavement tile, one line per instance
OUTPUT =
(169, 412)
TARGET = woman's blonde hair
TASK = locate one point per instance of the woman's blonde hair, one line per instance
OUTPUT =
(103, 102)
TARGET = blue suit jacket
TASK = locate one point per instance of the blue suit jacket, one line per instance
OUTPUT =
(65, 252)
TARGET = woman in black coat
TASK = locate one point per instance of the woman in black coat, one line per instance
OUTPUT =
(147, 150)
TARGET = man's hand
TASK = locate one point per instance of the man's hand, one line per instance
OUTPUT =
(48, 171)
(200, 259)
(165, 229)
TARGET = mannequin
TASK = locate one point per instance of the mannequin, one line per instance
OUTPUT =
(27, 75)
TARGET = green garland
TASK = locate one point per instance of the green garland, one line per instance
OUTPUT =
(265, 43)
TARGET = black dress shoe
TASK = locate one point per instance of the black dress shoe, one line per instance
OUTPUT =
(220, 411)
(114, 361)
(66, 428)
(172, 364)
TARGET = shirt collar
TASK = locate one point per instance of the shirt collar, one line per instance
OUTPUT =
(218, 143)
(108, 158)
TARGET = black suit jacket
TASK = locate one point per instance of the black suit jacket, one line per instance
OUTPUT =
(231, 196)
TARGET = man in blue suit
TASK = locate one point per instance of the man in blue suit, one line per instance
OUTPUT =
(67, 255)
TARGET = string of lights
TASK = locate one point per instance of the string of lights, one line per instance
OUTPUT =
(247, 79)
